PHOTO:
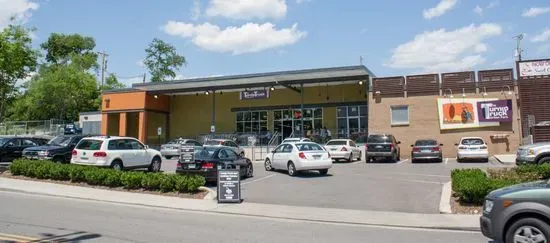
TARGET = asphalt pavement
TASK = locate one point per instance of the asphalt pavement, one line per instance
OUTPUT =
(25, 218)
(399, 187)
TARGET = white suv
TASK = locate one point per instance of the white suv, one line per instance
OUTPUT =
(116, 152)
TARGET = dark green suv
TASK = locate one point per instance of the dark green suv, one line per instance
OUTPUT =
(519, 213)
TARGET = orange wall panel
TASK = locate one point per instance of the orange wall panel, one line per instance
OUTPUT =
(123, 101)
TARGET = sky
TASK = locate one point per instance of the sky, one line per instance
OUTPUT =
(225, 37)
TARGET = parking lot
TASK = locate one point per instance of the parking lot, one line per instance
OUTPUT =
(402, 186)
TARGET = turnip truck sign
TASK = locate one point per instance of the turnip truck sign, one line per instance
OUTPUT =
(254, 94)
(495, 111)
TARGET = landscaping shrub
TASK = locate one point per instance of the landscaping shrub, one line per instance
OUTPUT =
(131, 180)
(151, 181)
(543, 171)
(106, 177)
(511, 174)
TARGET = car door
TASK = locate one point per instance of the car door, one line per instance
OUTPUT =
(14, 149)
(141, 157)
(276, 156)
(284, 156)
(124, 151)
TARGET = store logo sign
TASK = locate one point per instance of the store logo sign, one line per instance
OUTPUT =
(495, 111)
(254, 94)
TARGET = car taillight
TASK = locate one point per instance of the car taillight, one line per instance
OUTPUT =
(344, 149)
(179, 164)
(366, 147)
(100, 154)
(302, 155)
(436, 149)
(391, 146)
(461, 147)
(483, 147)
(416, 149)
(207, 165)
(75, 153)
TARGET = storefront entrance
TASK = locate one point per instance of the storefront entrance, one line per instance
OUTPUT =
(288, 122)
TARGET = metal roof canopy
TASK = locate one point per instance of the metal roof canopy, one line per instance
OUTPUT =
(265, 80)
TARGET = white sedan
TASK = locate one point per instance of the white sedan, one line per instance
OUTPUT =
(343, 149)
(472, 148)
(295, 157)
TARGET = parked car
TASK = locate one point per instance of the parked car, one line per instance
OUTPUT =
(296, 157)
(69, 129)
(11, 148)
(537, 153)
(59, 149)
(116, 152)
(296, 140)
(173, 148)
(361, 141)
(209, 159)
(343, 149)
(426, 149)
(382, 146)
(226, 143)
(517, 213)
(472, 148)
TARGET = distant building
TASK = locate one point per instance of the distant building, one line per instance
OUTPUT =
(90, 122)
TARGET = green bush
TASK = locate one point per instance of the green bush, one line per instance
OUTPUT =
(106, 177)
(131, 180)
(94, 176)
(151, 181)
(168, 183)
(543, 171)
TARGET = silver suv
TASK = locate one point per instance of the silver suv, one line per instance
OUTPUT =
(538, 153)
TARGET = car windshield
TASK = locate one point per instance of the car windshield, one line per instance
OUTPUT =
(341, 142)
(379, 139)
(204, 153)
(425, 143)
(213, 142)
(89, 144)
(472, 141)
(309, 147)
(60, 140)
(3, 141)
(176, 141)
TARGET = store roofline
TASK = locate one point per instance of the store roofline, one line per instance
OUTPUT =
(320, 75)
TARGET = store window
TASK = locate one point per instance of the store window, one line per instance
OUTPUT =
(351, 121)
(251, 121)
(400, 115)
(286, 122)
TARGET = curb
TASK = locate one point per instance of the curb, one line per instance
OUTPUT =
(445, 201)
(504, 163)
(211, 195)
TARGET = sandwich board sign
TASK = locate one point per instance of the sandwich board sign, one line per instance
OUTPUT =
(229, 186)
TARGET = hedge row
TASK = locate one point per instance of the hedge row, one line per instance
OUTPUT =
(472, 185)
(107, 177)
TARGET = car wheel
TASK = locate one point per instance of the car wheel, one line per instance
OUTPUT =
(544, 160)
(168, 157)
(117, 165)
(413, 160)
(350, 159)
(155, 165)
(323, 171)
(528, 230)
(292, 169)
(267, 165)
(242, 154)
(249, 170)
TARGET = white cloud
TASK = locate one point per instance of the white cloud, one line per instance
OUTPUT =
(247, 9)
(493, 4)
(140, 63)
(442, 50)
(478, 10)
(441, 8)
(248, 38)
(21, 10)
(542, 37)
(535, 11)
(196, 10)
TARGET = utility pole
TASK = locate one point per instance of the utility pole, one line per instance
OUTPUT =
(518, 39)
(360, 60)
(103, 66)
(144, 76)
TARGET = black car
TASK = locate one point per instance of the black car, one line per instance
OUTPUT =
(58, 149)
(209, 159)
(71, 129)
(11, 148)
(382, 146)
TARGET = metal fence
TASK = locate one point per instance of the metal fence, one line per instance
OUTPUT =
(45, 127)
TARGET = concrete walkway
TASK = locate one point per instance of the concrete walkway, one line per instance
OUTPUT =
(509, 159)
(344, 216)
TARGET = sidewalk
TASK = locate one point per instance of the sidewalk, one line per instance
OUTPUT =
(346, 216)
(507, 159)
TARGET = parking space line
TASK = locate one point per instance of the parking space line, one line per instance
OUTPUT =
(414, 174)
(446, 160)
(402, 161)
(260, 179)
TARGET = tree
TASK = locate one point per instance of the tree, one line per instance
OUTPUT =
(162, 60)
(17, 60)
(64, 85)
(111, 82)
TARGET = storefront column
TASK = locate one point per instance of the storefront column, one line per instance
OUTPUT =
(104, 123)
(142, 127)
(214, 109)
(122, 124)
(303, 134)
